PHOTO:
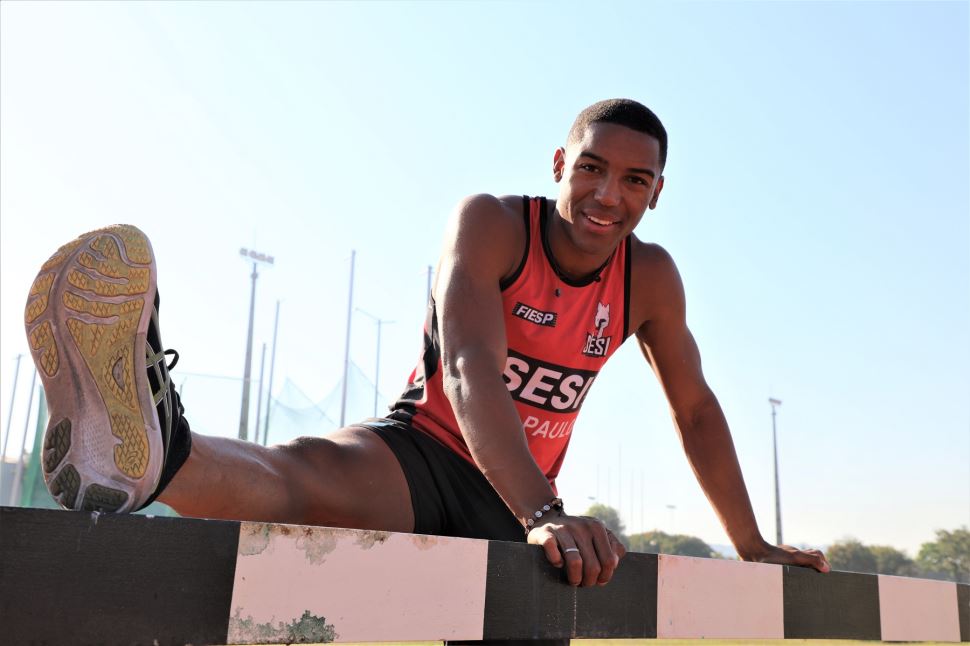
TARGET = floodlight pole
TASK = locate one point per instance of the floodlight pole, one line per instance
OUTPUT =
(15, 491)
(259, 393)
(350, 314)
(619, 478)
(13, 395)
(672, 509)
(272, 368)
(774, 443)
(257, 258)
(377, 369)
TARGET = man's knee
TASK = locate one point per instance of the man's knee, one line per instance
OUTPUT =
(336, 479)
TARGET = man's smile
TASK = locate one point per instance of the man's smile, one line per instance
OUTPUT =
(599, 220)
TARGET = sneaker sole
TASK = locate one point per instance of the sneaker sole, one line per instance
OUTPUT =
(87, 317)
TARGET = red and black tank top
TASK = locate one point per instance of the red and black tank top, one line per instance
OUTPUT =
(560, 332)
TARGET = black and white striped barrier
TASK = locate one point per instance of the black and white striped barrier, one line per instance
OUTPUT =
(87, 578)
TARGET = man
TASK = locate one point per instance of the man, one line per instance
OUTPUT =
(532, 297)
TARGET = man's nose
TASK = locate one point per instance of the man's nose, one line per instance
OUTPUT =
(608, 192)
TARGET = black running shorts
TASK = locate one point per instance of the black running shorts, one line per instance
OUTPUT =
(450, 497)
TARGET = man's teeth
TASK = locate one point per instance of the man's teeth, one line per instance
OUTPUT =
(602, 223)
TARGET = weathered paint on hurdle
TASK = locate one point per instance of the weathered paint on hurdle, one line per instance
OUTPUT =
(81, 578)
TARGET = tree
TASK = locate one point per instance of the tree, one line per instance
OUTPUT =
(611, 518)
(849, 554)
(948, 557)
(889, 560)
(657, 542)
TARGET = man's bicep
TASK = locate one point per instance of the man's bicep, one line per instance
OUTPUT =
(469, 313)
(477, 253)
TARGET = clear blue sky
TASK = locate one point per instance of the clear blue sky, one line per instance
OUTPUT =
(816, 203)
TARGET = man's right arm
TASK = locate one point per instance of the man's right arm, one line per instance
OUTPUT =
(484, 243)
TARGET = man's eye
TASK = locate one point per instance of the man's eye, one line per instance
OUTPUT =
(638, 180)
(588, 167)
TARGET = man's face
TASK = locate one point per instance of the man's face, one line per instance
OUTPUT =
(607, 179)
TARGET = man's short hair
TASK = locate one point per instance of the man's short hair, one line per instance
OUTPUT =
(623, 112)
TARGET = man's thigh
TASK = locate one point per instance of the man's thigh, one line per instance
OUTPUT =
(352, 479)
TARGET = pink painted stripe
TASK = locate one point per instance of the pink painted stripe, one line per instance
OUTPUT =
(357, 586)
(708, 598)
(918, 610)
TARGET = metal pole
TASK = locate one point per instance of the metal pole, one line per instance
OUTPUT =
(377, 368)
(247, 370)
(272, 368)
(350, 314)
(15, 492)
(429, 285)
(632, 496)
(619, 478)
(643, 527)
(774, 444)
(259, 396)
(13, 395)
(609, 486)
(36, 452)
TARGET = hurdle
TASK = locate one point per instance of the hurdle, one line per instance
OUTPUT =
(91, 578)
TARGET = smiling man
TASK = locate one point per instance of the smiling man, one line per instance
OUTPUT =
(532, 297)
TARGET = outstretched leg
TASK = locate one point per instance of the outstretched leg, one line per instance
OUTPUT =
(117, 437)
(350, 478)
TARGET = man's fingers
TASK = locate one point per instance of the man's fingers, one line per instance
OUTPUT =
(603, 542)
(582, 546)
(549, 544)
(618, 547)
(806, 558)
(573, 558)
(817, 560)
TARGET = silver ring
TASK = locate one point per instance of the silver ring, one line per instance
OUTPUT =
(570, 549)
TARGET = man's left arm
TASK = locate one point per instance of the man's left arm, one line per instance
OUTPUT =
(669, 347)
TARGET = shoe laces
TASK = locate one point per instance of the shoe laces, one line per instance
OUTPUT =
(171, 353)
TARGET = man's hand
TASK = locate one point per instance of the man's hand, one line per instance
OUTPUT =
(589, 552)
(788, 555)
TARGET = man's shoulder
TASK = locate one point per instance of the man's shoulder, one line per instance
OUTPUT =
(492, 228)
(501, 209)
(655, 283)
(650, 257)
(496, 219)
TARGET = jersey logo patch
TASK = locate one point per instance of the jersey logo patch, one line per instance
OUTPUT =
(551, 387)
(596, 344)
(532, 315)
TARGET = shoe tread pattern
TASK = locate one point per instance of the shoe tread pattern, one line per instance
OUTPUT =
(57, 442)
(41, 339)
(108, 344)
(100, 269)
(38, 297)
(100, 498)
(65, 486)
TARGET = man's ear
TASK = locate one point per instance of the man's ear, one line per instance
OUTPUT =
(558, 164)
(656, 192)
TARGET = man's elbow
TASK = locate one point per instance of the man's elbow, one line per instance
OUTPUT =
(462, 369)
(451, 380)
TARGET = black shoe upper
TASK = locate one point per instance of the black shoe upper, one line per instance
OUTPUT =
(176, 435)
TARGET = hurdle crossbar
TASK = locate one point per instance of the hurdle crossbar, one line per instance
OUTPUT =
(90, 578)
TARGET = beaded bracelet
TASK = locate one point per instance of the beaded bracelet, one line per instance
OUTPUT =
(554, 504)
